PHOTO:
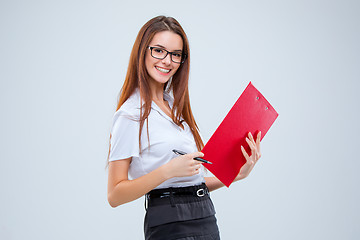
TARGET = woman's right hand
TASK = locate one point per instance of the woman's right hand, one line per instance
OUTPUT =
(184, 165)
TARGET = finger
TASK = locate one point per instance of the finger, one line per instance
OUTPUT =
(195, 163)
(259, 135)
(244, 153)
(253, 147)
(251, 138)
(256, 156)
(198, 163)
(196, 154)
(197, 168)
(253, 150)
(258, 141)
(251, 144)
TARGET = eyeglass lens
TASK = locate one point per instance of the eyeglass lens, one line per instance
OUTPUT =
(162, 53)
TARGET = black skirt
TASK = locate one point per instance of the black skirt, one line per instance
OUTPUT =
(184, 215)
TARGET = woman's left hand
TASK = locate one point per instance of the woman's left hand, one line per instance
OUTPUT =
(250, 160)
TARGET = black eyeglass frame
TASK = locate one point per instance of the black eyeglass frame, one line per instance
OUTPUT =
(183, 57)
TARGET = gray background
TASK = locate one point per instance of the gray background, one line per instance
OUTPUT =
(62, 64)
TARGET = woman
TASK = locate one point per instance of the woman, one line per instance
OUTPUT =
(154, 117)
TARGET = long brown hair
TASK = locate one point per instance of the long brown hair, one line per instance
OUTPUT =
(138, 77)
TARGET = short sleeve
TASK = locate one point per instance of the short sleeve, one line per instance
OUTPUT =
(124, 141)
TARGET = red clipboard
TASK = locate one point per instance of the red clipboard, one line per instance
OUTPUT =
(250, 113)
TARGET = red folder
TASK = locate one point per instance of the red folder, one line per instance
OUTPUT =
(251, 113)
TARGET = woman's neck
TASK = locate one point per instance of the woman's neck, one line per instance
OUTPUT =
(157, 91)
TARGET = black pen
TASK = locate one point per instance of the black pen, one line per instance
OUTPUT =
(197, 158)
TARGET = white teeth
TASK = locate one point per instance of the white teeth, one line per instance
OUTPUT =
(163, 70)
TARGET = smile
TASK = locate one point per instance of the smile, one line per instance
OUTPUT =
(163, 70)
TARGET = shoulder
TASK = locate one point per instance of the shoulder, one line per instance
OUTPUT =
(130, 108)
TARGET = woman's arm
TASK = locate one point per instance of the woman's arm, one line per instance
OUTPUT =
(122, 190)
(213, 183)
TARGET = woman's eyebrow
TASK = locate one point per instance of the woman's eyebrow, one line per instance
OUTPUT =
(179, 50)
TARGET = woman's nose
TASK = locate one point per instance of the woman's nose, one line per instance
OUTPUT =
(167, 60)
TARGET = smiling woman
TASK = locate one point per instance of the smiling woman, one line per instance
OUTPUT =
(141, 160)
(159, 59)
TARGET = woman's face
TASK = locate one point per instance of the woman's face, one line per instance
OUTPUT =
(161, 70)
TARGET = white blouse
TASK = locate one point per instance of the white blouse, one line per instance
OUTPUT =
(164, 136)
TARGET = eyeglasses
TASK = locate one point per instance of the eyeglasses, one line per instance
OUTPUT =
(160, 53)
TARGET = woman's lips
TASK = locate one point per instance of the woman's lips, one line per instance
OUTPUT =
(163, 71)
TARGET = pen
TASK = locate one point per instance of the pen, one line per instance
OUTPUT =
(197, 158)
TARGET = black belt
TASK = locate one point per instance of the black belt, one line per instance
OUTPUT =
(199, 190)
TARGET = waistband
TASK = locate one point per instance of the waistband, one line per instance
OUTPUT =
(175, 195)
(197, 190)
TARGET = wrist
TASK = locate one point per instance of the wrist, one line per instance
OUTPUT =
(165, 172)
(239, 177)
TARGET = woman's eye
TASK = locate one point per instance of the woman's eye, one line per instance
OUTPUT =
(177, 55)
(158, 50)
